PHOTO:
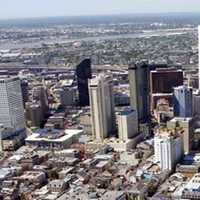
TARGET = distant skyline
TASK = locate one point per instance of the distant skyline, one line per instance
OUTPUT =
(11, 9)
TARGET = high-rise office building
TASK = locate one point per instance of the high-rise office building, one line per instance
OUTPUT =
(168, 150)
(25, 94)
(162, 82)
(102, 106)
(34, 115)
(11, 103)
(66, 96)
(186, 124)
(40, 95)
(127, 121)
(139, 90)
(83, 72)
(183, 101)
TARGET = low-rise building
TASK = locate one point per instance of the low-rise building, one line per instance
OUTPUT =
(53, 138)
(33, 177)
(57, 185)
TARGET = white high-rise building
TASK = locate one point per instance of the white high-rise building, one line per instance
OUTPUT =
(127, 121)
(102, 106)
(168, 150)
(11, 104)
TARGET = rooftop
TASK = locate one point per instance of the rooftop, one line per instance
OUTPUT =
(181, 119)
(53, 135)
(126, 112)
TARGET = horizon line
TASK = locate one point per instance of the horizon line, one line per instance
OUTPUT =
(99, 15)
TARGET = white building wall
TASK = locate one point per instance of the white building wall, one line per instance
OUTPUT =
(127, 125)
(102, 106)
(157, 148)
(168, 151)
(11, 104)
(167, 159)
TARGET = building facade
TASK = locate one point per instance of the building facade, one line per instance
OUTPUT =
(168, 150)
(183, 99)
(34, 114)
(25, 94)
(139, 90)
(196, 104)
(127, 124)
(11, 104)
(187, 135)
(40, 95)
(164, 80)
(83, 72)
(102, 106)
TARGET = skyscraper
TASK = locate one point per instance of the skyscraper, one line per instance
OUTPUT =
(187, 125)
(162, 82)
(183, 101)
(168, 150)
(139, 90)
(127, 124)
(102, 106)
(66, 95)
(83, 72)
(34, 115)
(25, 95)
(11, 104)
(40, 95)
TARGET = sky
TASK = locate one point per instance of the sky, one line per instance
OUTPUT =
(44, 8)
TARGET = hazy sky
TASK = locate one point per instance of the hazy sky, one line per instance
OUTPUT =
(41, 8)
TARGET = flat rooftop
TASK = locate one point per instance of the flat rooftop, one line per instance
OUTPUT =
(126, 112)
(42, 135)
(181, 119)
